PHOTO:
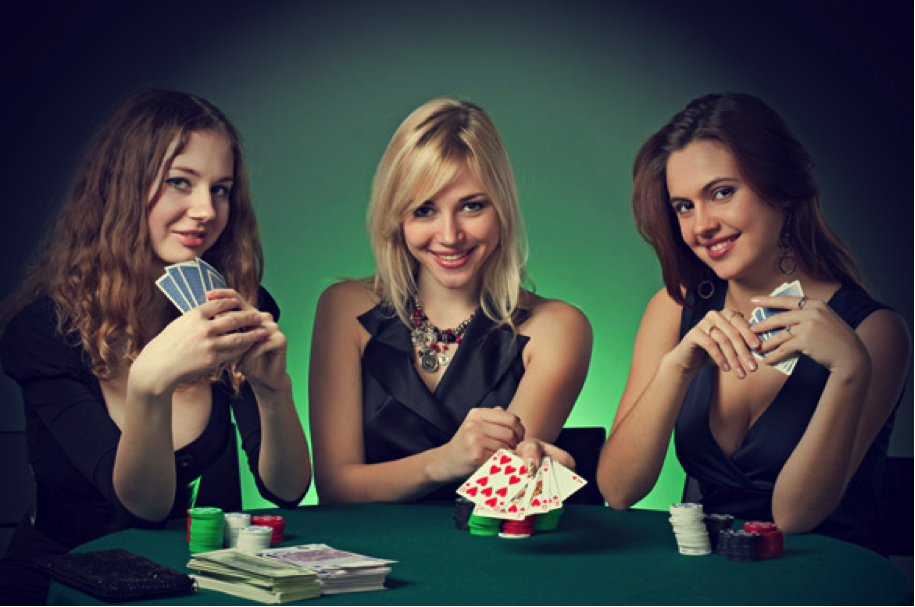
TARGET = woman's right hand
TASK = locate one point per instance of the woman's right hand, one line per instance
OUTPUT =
(483, 432)
(196, 344)
(723, 338)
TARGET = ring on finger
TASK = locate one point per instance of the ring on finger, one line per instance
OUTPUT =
(788, 329)
(802, 302)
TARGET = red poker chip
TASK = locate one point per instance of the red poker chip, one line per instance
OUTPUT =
(276, 523)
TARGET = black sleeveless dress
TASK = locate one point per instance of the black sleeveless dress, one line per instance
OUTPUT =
(742, 484)
(401, 417)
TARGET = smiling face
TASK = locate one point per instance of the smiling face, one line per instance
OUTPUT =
(193, 208)
(725, 223)
(452, 235)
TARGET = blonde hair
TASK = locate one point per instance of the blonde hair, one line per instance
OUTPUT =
(96, 264)
(430, 149)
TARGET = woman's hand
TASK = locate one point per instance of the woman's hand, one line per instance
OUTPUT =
(483, 432)
(196, 344)
(533, 450)
(723, 337)
(264, 364)
(809, 327)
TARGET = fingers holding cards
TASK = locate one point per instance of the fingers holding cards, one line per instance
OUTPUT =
(793, 290)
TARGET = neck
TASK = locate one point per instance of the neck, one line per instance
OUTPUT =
(447, 307)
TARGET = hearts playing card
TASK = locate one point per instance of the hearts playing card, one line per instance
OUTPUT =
(497, 480)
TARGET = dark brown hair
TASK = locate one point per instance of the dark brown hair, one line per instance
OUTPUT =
(773, 163)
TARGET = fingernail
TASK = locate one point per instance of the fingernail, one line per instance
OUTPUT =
(752, 364)
(531, 468)
(740, 372)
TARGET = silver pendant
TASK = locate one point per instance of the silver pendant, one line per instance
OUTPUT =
(428, 361)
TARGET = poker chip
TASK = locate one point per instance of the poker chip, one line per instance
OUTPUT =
(518, 529)
(688, 523)
(276, 523)
(205, 529)
(463, 508)
(714, 524)
(771, 539)
(235, 522)
(484, 525)
(254, 538)
(743, 546)
(548, 521)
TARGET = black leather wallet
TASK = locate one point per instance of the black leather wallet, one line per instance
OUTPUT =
(116, 575)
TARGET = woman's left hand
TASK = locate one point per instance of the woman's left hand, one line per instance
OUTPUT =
(533, 450)
(264, 364)
(810, 327)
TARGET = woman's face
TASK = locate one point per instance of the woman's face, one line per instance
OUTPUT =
(725, 223)
(193, 208)
(453, 233)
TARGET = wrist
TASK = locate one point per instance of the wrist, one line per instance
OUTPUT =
(272, 390)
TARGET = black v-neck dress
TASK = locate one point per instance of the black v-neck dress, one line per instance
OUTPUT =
(742, 484)
(401, 417)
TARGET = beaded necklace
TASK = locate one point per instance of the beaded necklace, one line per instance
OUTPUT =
(432, 341)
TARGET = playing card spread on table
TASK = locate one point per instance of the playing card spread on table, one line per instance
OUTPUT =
(186, 283)
(502, 488)
(791, 289)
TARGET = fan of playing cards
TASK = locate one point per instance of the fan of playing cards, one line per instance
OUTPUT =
(186, 283)
(502, 487)
(792, 289)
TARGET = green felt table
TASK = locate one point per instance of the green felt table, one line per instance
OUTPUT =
(597, 556)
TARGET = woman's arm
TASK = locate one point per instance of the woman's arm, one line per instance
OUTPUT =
(663, 365)
(190, 347)
(556, 361)
(335, 405)
(867, 369)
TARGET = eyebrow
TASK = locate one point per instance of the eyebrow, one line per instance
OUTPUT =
(197, 174)
(470, 197)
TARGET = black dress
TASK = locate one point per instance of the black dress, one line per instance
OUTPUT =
(401, 417)
(72, 443)
(742, 484)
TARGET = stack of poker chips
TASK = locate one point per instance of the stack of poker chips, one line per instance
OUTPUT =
(688, 522)
(235, 522)
(548, 521)
(518, 529)
(463, 508)
(274, 522)
(771, 539)
(205, 529)
(254, 538)
(714, 524)
(484, 525)
(742, 545)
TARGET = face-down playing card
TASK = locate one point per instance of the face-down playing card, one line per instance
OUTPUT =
(186, 284)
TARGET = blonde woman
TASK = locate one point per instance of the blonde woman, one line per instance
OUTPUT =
(421, 372)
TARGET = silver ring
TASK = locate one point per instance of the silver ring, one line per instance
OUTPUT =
(802, 302)
(788, 329)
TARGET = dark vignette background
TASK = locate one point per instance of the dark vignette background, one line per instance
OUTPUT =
(317, 88)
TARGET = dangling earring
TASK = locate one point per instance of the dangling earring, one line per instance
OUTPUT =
(787, 264)
(706, 287)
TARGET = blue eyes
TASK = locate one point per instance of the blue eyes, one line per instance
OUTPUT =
(183, 184)
(428, 209)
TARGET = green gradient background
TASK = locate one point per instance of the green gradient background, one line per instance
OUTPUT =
(317, 90)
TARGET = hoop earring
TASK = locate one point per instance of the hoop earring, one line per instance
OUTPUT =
(787, 264)
(706, 288)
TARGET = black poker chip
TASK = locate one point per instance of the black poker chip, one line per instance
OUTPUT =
(463, 508)
(714, 524)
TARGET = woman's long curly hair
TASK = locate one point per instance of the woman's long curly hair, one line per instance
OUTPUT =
(96, 265)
